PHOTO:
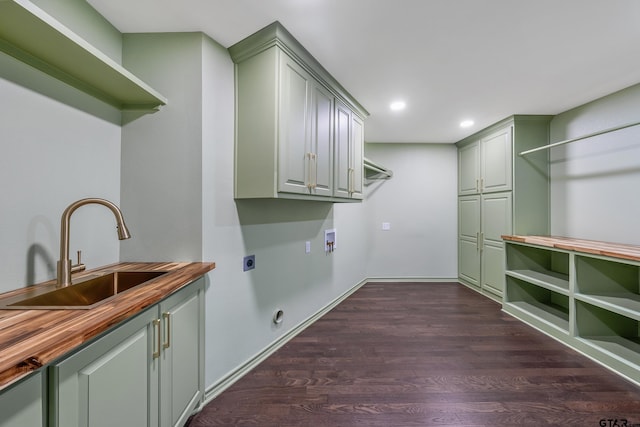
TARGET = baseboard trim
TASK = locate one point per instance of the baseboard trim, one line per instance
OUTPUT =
(414, 279)
(227, 381)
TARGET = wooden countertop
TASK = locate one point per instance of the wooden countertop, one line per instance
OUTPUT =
(615, 250)
(30, 339)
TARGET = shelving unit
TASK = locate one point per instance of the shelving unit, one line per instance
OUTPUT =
(583, 293)
(34, 37)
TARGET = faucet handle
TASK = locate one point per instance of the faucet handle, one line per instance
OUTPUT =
(79, 266)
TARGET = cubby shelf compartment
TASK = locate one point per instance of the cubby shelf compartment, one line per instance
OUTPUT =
(536, 305)
(34, 37)
(583, 293)
(609, 284)
(613, 335)
(543, 267)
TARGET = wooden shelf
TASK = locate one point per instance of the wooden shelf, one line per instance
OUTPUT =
(32, 36)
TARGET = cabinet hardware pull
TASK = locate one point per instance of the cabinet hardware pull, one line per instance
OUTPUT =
(477, 240)
(167, 317)
(308, 156)
(315, 170)
(350, 178)
(477, 185)
(481, 184)
(156, 327)
(481, 240)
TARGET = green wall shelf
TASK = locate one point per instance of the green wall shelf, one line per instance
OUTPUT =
(32, 36)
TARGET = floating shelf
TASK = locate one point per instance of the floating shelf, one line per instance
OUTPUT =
(34, 37)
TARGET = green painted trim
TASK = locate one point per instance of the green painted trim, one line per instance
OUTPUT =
(275, 34)
(511, 120)
(413, 279)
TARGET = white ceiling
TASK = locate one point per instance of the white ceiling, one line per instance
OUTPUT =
(449, 60)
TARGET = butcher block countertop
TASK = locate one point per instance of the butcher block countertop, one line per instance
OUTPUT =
(30, 339)
(615, 250)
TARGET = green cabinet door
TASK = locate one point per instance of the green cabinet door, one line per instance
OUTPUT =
(469, 169)
(469, 239)
(496, 221)
(342, 141)
(294, 165)
(22, 404)
(182, 361)
(321, 141)
(148, 371)
(496, 161)
(111, 381)
(357, 156)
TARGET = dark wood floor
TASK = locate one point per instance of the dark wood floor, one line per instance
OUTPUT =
(421, 354)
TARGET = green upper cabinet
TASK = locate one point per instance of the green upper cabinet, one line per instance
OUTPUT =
(34, 37)
(488, 162)
(484, 166)
(349, 157)
(299, 134)
(305, 129)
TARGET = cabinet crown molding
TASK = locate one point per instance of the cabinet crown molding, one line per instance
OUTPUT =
(275, 34)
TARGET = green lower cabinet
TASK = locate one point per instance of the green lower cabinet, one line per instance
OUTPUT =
(482, 220)
(182, 355)
(22, 404)
(146, 372)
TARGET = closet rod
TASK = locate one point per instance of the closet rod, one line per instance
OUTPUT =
(368, 164)
(567, 141)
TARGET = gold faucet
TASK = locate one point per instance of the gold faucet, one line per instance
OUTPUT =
(64, 264)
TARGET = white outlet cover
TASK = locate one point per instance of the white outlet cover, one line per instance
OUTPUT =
(386, 226)
(307, 247)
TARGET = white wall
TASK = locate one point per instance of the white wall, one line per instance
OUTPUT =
(53, 153)
(420, 204)
(160, 191)
(162, 152)
(594, 182)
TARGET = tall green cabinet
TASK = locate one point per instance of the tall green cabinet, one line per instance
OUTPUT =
(500, 192)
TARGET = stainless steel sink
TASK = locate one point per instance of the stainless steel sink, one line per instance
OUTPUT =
(85, 294)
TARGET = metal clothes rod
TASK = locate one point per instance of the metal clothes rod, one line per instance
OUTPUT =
(567, 141)
(368, 164)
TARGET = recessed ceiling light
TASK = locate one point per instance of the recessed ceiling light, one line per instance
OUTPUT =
(398, 105)
(466, 123)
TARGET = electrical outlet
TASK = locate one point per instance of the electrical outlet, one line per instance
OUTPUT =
(386, 226)
(249, 263)
(307, 247)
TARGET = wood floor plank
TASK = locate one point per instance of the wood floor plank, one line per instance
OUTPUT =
(423, 354)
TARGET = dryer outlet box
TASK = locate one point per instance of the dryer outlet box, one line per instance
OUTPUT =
(249, 263)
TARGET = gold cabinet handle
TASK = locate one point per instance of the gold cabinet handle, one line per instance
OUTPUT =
(309, 182)
(350, 186)
(156, 327)
(167, 318)
(315, 170)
